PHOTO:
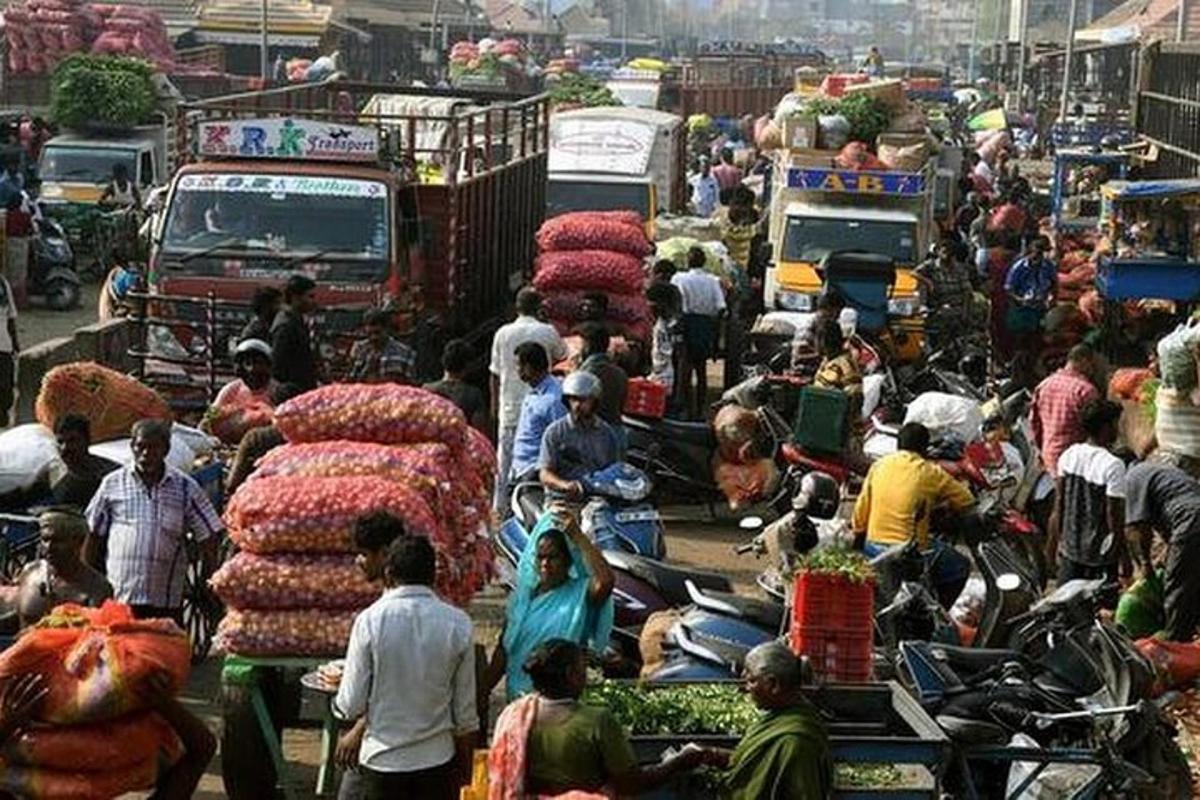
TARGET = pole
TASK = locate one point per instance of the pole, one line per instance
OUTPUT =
(1066, 86)
(624, 30)
(265, 56)
(1024, 23)
(1181, 21)
(974, 43)
(433, 48)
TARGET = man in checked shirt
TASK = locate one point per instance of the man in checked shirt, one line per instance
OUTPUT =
(139, 520)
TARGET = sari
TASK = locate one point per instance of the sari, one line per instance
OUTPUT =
(784, 756)
(562, 613)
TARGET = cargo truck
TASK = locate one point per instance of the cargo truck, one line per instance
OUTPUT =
(616, 158)
(439, 228)
(817, 210)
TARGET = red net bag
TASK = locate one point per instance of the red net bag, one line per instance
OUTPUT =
(249, 581)
(112, 402)
(482, 456)
(317, 515)
(120, 744)
(229, 423)
(307, 632)
(380, 413)
(582, 232)
(94, 660)
(601, 270)
(39, 783)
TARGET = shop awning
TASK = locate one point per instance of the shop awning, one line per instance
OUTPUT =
(1147, 190)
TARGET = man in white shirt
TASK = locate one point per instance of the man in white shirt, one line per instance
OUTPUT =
(508, 390)
(410, 668)
(703, 303)
(706, 190)
(8, 350)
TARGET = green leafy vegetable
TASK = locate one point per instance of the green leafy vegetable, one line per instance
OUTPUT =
(866, 776)
(716, 709)
(868, 116)
(87, 90)
(572, 88)
(838, 561)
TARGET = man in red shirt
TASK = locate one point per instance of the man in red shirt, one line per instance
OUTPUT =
(1058, 403)
(727, 173)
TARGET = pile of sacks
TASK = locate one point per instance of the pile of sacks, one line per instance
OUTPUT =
(94, 737)
(601, 251)
(353, 449)
(41, 33)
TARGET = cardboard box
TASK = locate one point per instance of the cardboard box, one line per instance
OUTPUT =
(800, 132)
(809, 157)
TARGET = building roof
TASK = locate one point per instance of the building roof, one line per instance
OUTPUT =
(1140, 19)
(296, 23)
(404, 13)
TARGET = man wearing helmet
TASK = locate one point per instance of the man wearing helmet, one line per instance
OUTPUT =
(580, 443)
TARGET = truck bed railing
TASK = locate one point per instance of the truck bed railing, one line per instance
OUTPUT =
(493, 131)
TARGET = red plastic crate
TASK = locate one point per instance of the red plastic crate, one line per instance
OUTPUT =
(833, 623)
(645, 398)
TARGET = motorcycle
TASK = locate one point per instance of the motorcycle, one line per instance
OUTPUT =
(52, 273)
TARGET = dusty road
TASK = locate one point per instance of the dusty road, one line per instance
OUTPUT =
(37, 324)
(702, 545)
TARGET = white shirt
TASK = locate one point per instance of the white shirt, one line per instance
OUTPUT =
(702, 292)
(504, 361)
(8, 310)
(410, 666)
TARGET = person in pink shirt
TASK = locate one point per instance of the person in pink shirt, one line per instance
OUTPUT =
(728, 174)
(1058, 403)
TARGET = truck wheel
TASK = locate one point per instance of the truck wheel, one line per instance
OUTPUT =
(62, 295)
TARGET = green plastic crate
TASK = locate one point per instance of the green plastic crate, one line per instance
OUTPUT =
(822, 420)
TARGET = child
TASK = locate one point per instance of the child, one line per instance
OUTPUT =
(662, 348)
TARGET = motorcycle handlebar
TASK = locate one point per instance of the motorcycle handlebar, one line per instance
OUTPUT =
(742, 549)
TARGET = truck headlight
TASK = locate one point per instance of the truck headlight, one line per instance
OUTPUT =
(794, 301)
(904, 306)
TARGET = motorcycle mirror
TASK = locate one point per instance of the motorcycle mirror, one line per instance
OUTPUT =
(1008, 582)
(750, 523)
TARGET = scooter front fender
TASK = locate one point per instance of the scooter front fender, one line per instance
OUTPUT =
(62, 274)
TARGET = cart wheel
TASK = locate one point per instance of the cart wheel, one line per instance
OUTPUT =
(201, 612)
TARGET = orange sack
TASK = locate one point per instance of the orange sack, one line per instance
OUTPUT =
(119, 744)
(112, 402)
(35, 783)
(95, 659)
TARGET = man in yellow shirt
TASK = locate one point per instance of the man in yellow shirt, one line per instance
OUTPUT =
(899, 496)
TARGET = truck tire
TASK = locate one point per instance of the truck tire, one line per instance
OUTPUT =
(246, 766)
(61, 295)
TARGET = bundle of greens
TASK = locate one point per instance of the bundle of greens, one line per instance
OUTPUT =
(840, 562)
(716, 709)
(868, 116)
(89, 90)
(573, 88)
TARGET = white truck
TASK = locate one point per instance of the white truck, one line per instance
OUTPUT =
(603, 159)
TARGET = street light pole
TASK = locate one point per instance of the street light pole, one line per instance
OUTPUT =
(1024, 23)
(1181, 21)
(1066, 80)
(974, 43)
(433, 48)
(264, 55)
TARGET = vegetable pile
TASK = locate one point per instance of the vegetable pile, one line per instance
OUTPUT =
(87, 90)
(40, 33)
(715, 708)
(570, 89)
(489, 60)
(595, 251)
(353, 449)
(839, 562)
(110, 401)
(868, 116)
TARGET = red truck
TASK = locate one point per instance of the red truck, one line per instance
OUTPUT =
(425, 203)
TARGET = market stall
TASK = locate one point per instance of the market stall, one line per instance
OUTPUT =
(1150, 247)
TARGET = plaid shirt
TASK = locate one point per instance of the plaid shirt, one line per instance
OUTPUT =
(393, 362)
(950, 286)
(145, 528)
(1057, 403)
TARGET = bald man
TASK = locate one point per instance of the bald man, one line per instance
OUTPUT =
(60, 575)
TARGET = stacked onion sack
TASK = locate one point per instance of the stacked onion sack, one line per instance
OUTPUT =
(40, 33)
(595, 251)
(352, 449)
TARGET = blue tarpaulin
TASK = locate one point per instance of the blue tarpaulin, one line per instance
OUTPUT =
(1148, 190)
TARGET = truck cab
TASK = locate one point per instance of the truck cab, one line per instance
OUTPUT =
(817, 211)
(76, 167)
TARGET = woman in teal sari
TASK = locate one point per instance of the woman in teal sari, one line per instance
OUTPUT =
(564, 591)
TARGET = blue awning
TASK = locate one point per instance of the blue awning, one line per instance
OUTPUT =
(1147, 190)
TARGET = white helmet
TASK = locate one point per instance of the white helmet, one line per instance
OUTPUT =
(581, 384)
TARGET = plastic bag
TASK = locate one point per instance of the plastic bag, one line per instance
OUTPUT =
(383, 413)
(1140, 609)
(249, 581)
(120, 744)
(112, 402)
(1053, 782)
(307, 632)
(833, 131)
(1175, 663)
(906, 159)
(1177, 358)
(24, 450)
(940, 413)
(94, 659)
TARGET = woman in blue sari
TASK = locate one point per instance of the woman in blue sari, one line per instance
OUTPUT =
(564, 591)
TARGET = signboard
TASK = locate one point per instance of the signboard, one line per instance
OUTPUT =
(619, 147)
(281, 185)
(836, 180)
(287, 137)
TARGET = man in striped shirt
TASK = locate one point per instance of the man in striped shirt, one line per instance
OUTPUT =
(140, 518)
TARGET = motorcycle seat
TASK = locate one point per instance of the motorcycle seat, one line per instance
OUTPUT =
(667, 580)
(795, 456)
(696, 433)
(763, 613)
(971, 731)
(971, 660)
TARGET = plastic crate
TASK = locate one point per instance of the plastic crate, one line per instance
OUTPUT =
(822, 420)
(833, 624)
(645, 398)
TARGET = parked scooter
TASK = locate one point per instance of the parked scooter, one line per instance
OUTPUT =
(52, 273)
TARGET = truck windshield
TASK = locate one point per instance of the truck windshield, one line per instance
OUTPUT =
(83, 164)
(811, 239)
(564, 196)
(286, 217)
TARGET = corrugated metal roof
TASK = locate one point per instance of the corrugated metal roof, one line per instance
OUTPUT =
(402, 13)
(295, 17)
(1141, 19)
